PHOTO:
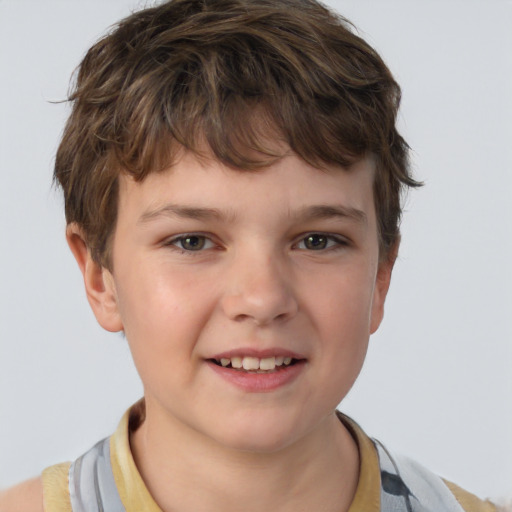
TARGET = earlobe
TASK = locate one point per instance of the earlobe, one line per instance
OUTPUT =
(98, 281)
(382, 283)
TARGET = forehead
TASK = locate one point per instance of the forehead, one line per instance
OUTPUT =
(287, 186)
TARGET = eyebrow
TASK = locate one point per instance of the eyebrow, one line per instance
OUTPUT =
(307, 213)
(321, 212)
(182, 211)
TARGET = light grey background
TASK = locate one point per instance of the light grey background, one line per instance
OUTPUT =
(437, 384)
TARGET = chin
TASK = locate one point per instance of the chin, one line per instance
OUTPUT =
(258, 435)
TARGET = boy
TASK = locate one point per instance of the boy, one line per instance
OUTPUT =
(232, 175)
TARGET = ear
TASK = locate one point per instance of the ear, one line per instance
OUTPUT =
(382, 286)
(98, 281)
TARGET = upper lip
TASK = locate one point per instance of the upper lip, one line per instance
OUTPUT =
(259, 353)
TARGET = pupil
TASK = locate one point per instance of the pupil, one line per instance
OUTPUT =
(316, 242)
(193, 243)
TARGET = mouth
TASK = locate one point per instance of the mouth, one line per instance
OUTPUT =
(258, 371)
(252, 364)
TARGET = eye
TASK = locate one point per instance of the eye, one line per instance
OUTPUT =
(191, 243)
(320, 242)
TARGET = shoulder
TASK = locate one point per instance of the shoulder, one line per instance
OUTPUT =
(403, 479)
(468, 501)
(46, 493)
(24, 497)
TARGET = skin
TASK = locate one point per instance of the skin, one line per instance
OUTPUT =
(257, 284)
(25, 497)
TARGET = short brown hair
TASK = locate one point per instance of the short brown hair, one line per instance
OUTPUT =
(229, 75)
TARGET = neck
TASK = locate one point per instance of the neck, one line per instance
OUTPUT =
(318, 472)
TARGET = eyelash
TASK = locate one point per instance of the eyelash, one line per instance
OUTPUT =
(334, 242)
(173, 242)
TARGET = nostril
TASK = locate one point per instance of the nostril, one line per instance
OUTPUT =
(241, 318)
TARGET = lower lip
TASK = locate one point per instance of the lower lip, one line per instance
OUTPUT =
(259, 382)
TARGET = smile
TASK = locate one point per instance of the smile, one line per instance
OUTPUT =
(258, 374)
(255, 364)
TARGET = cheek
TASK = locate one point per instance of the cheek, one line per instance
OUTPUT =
(343, 302)
(161, 331)
(343, 312)
(163, 313)
(344, 328)
(149, 297)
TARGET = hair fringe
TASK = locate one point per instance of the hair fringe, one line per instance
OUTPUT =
(237, 79)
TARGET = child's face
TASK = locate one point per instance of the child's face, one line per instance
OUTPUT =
(211, 264)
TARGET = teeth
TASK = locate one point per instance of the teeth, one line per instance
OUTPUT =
(251, 363)
(236, 362)
(256, 364)
(269, 363)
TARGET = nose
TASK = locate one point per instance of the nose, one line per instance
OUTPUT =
(259, 290)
